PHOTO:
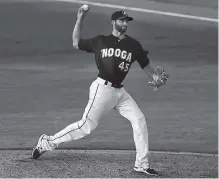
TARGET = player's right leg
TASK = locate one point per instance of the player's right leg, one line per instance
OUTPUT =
(101, 101)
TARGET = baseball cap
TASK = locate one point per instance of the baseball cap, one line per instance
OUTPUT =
(120, 15)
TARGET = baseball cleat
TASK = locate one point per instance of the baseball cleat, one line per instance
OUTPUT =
(40, 149)
(148, 171)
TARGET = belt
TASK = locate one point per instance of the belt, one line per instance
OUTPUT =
(108, 83)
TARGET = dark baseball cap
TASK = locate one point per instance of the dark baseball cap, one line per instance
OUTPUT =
(120, 15)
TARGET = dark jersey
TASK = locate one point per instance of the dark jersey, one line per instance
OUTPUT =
(114, 57)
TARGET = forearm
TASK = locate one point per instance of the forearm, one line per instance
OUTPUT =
(149, 70)
(76, 35)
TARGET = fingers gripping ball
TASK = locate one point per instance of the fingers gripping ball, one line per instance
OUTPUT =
(159, 78)
(86, 7)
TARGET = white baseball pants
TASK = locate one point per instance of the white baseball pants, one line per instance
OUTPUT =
(103, 98)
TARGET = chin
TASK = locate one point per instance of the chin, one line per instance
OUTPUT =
(123, 30)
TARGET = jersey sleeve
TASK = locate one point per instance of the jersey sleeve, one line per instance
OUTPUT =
(88, 45)
(142, 57)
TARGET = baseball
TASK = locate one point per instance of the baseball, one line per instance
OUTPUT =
(85, 7)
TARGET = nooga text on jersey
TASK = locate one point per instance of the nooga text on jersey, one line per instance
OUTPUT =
(123, 54)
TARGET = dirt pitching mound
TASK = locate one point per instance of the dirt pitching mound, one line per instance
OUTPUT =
(111, 164)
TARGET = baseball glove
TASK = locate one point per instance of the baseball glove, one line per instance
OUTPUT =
(159, 78)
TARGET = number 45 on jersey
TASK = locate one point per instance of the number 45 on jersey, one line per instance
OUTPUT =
(124, 66)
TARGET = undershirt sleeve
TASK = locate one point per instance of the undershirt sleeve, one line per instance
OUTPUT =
(88, 45)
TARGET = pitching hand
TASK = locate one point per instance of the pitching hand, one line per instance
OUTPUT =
(82, 12)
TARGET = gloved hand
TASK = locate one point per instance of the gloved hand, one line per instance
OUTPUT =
(159, 78)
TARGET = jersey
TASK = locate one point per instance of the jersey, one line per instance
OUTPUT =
(113, 56)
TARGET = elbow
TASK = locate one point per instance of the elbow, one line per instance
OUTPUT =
(75, 44)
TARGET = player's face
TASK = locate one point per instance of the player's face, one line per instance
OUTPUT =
(121, 25)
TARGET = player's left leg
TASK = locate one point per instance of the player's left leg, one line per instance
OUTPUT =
(130, 110)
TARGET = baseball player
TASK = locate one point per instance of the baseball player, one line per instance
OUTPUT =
(114, 55)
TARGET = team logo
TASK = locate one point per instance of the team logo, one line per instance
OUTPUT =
(124, 55)
(124, 13)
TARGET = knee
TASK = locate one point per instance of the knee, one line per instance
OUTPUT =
(140, 123)
(92, 125)
(87, 125)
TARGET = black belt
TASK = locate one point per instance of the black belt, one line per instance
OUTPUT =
(114, 84)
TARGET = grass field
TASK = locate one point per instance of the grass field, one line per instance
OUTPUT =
(44, 82)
